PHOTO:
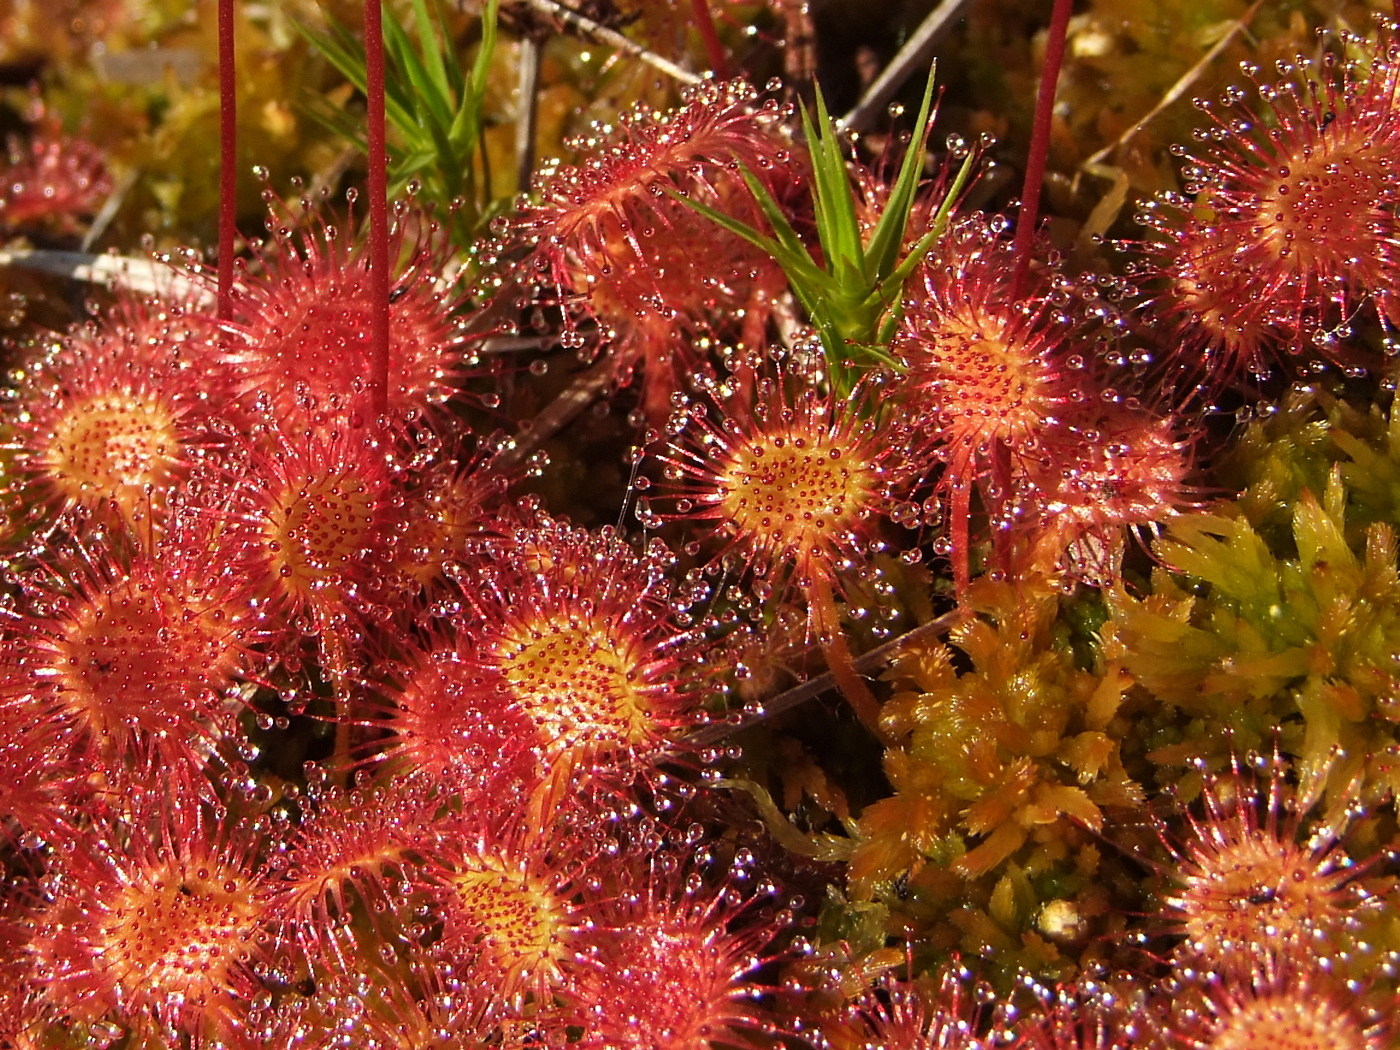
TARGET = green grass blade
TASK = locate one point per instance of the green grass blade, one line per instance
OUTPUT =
(430, 43)
(418, 103)
(890, 231)
(832, 196)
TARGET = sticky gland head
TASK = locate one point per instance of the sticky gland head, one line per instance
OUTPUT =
(1246, 884)
(118, 446)
(134, 658)
(514, 917)
(576, 675)
(172, 934)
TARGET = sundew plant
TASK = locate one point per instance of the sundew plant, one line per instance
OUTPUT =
(700, 525)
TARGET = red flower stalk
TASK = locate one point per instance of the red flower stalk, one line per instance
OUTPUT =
(986, 375)
(124, 651)
(1293, 228)
(380, 357)
(228, 159)
(115, 415)
(1039, 150)
(1248, 887)
(302, 328)
(642, 262)
(158, 923)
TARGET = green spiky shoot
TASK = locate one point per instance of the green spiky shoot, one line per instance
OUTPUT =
(435, 104)
(853, 294)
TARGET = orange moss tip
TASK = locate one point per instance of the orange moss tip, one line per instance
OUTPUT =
(1292, 228)
(160, 926)
(795, 489)
(1249, 883)
(300, 336)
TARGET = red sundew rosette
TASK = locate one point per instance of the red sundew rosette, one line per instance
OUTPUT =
(678, 963)
(798, 484)
(109, 423)
(1087, 1016)
(432, 713)
(299, 339)
(935, 1013)
(160, 925)
(589, 639)
(353, 868)
(794, 481)
(516, 902)
(119, 649)
(1284, 1000)
(985, 377)
(1117, 471)
(319, 518)
(657, 274)
(1290, 231)
(42, 779)
(1246, 880)
(53, 182)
